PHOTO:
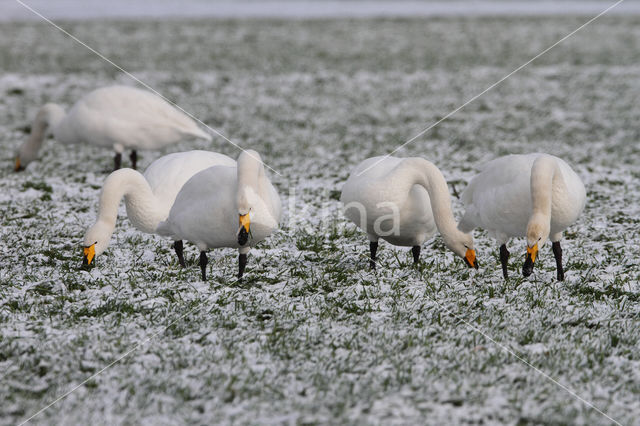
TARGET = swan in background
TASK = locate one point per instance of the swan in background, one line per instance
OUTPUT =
(119, 117)
(225, 206)
(403, 201)
(148, 197)
(533, 196)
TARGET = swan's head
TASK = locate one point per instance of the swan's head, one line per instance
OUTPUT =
(462, 245)
(96, 241)
(48, 117)
(18, 165)
(24, 155)
(537, 235)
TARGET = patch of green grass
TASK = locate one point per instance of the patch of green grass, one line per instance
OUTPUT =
(40, 186)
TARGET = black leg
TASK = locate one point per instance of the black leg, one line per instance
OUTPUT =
(416, 254)
(242, 263)
(504, 259)
(178, 247)
(134, 159)
(373, 247)
(117, 161)
(203, 264)
(557, 253)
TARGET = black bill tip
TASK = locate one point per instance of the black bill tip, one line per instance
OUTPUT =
(527, 267)
(475, 263)
(243, 236)
(86, 265)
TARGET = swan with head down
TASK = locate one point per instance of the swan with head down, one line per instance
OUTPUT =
(117, 117)
(536, 196)
(225, 206)
(148, 197)
(403, 201)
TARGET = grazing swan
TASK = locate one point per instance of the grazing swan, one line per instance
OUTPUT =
(148, 197)
(225, 206)
(532, 195)
(403, 201)
(117, 116)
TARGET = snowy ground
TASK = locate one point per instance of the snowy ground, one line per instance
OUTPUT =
(312, 336)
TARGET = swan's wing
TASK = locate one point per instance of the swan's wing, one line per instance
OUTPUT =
(469, 221)
(168, 174)
(276, 203)
(204, 210)
(130, 117)
(135, 106)
(376, 166)
(575, 186)
(495, 173)
(165, 229)
(499, 198)
(365, 172)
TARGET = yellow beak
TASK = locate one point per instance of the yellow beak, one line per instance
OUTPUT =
(470, 257)
(532, 252)
(17, 167)
(245, 221)
(89, 254)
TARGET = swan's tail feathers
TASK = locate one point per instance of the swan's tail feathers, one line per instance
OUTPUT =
(198, 133)
(164, 229)
(467, 194)
(467, 223)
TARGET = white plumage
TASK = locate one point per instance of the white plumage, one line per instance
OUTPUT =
(403, 201)
(118, 117)
(148, 197)
(532, 195)
(225, 206)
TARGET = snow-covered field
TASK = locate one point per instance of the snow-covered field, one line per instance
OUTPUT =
(311, 335)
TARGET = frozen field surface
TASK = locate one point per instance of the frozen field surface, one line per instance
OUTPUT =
(311, 335)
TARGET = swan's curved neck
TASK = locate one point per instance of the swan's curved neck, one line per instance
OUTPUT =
(544, 174)
(250, 179)
(47, 119)
(417, 171)
(142, 205)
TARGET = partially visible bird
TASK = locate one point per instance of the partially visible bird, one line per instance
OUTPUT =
(118, 117)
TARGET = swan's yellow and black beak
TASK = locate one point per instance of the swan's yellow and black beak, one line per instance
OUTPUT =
(470, 259)
(89, 254)
(530, 258)
(243, 232)
(18, 166)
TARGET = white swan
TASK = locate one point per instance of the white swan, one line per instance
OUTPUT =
(148, 197)
(225, 207)
(119, 117)
(532, 195)
(403, 201)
